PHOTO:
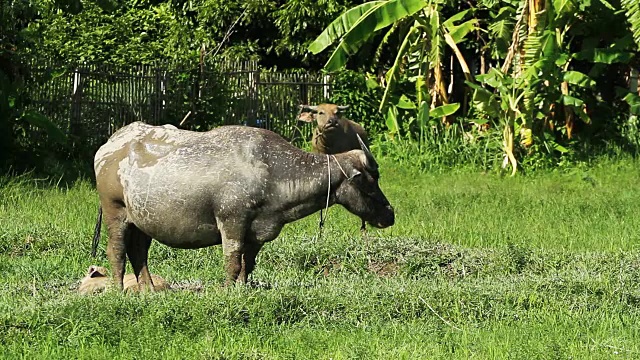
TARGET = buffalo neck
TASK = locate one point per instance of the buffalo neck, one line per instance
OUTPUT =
(321, 142)
(303, 190)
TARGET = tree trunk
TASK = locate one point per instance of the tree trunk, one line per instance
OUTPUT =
(439, 96)
(569, 116)
(634, 81)
(463, 64)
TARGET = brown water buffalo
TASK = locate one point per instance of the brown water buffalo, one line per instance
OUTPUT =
(234, 185)
(333, 133)
(96, 281)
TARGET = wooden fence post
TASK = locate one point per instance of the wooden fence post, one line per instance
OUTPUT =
(76, 102)
(254, 96)
(326, 88)
(304, 92)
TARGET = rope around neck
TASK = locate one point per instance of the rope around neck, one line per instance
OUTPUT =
(326, 208)
(340, 166)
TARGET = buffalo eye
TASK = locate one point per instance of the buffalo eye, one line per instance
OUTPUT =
(321, 112)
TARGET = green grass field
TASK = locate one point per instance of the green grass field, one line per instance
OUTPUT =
(533, 267)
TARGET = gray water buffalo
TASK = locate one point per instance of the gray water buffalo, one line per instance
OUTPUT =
(234, 185)
(333, 133)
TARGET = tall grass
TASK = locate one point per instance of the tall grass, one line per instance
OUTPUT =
(477, 266)
(442, 148)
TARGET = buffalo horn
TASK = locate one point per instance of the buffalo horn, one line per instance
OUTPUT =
(308, 107)
(371, 161)
(343, 107)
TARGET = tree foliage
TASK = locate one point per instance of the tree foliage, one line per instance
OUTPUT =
(541, 74)
(148, 31)
(17, 146)
(546, 69)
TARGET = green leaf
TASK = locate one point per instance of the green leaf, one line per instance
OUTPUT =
(562, 60)
(405, 103)
(340, 26)
(564, 7)
(423, 114)
(338, 58)
(583, 116)
(422, 91)
(493, 78)
(571, 101)
(392, 119)
(460, 31)
(397, 30)
(560, 148)
(372, 83)
(501, 29)
(376, 18)
(549, 46)
(620, 91)
(632, 11)
(42, 122)
(444, 110)
(579, 79)
(436, 37)
(392, 74)
(484, 100)
(604, 56)
(634, 103)
(457, 17)
(480, 93)
(608, 5)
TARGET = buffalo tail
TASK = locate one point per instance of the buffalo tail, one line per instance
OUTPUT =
(96, 233)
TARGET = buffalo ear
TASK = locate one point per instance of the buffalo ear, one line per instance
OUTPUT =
(354, 174)
(95, 271)
(307, 113)
(90, 270)
(307, 117)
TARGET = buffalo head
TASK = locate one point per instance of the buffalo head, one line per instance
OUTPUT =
(327, 115)
(360, 193)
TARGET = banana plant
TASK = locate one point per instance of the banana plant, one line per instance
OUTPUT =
(538, 68)
(354, 27)
(632, 11)
(502, 105)
(543, 88)
(418, 58)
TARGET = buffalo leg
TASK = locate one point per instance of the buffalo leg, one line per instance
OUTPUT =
(232, 247)
(251, 250)
(363, 232)
(137, 246)
(118, 233)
